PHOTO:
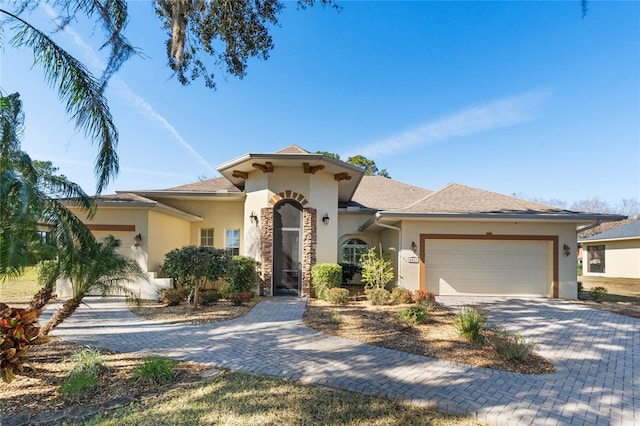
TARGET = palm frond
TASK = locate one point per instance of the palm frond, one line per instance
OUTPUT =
(81, 93)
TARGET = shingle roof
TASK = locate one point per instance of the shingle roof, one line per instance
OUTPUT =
(456, 198)
(630, 230)
(209, 185)
(381, 193)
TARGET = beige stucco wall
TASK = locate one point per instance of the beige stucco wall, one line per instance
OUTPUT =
(567, 274)
(220, 214)
(622, 259)
(165, 234)
(323, 196)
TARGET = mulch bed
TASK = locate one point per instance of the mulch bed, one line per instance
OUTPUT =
(378, 325)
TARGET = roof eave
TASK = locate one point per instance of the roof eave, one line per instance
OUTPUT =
(566, 217)
(599, 240)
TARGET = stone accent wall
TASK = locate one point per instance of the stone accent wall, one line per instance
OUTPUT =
(309, 243)
(266, 251)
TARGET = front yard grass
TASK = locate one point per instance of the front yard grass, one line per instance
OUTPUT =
(19, 291)
(623, 294)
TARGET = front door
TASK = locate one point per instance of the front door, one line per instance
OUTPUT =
(286, 261)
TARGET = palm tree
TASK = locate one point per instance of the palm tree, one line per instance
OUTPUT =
(100, 268)
(27, 198)
(82, 93)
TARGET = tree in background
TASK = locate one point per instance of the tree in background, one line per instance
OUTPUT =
(369, 166)
(27, 198)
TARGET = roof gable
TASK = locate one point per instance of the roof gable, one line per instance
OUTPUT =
(456, 198)
(292, 149)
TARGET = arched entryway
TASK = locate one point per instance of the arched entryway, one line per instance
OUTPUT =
(287, 248)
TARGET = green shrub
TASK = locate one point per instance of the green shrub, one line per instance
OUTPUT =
(325, 276)
(156, 370)
(172, 296)
(348, 271)
(377, 269)
(378, 296)
(335, 317)
(338, 296)
(401, 296)
(413, 315)
(83, 377)
(209, 297)
(580, 288)
(510, 346)
(225, 291)
(470, 322)
(597, 293)
(243, 274)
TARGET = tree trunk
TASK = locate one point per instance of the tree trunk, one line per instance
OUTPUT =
(61, 314)
(40, 299)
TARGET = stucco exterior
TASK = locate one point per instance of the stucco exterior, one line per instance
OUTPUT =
(336, 202)
(622, 258)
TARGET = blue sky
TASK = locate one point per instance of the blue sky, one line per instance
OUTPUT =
(512, 97)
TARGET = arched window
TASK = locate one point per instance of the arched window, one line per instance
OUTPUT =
(352, 249)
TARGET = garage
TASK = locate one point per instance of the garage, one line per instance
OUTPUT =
(488, 266)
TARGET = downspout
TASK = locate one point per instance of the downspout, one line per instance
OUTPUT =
(399, 245)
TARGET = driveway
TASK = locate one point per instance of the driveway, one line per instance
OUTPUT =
(597, 355)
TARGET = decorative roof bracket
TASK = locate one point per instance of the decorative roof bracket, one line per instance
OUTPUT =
(342, 176)
(266, 167)
(239, 174)
(312, 169)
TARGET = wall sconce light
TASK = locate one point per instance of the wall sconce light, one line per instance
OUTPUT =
(253, 218)
(325, 219)
(567, 250)
(136, 240)
(414, 247)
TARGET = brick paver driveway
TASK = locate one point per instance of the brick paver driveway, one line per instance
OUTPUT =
(597, 355)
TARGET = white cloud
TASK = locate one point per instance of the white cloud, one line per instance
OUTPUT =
(493, 115)
(137, 101)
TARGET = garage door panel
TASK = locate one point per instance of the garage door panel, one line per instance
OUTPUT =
(497, 267)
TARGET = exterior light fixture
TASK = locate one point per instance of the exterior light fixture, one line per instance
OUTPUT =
(325, 219)
(414, 247)
(253, 218)
(567, 250)
(136, 240)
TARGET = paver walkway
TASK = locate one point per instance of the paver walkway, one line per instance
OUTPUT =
(597, 355)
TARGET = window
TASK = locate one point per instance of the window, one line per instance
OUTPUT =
(596, 258)
(206, 237)
(352, 249)
(232, 243)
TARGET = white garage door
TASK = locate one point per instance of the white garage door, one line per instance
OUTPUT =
(473, 267)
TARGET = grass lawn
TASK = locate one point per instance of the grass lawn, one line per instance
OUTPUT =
(233, 398)
(620, 289)
(18, 292)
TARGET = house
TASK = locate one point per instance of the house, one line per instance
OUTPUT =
(292, 208)
(614, 253)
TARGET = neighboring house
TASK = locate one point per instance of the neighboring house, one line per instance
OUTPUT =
(291, 209)
(614, 253)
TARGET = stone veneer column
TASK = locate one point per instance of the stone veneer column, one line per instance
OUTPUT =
(266, 251)
(309, 242)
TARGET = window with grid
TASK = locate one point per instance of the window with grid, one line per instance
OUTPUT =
(206, 237)
(232, 241)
